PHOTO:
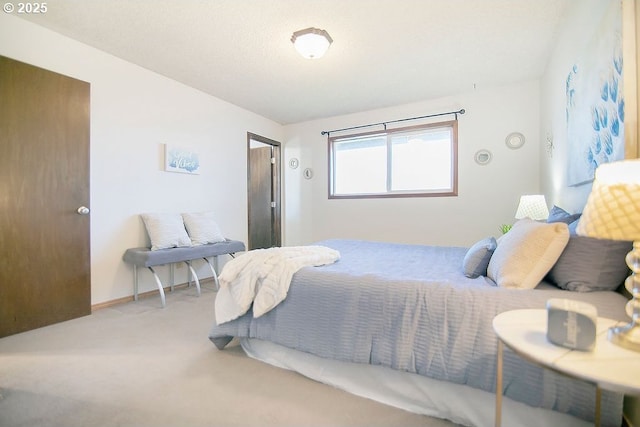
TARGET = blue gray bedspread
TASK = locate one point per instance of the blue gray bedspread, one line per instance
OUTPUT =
(410, 307)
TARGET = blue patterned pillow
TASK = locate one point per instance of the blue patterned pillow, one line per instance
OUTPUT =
(560, 215)
(477, 258)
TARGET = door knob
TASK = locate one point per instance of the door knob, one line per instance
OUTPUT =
(83, 210)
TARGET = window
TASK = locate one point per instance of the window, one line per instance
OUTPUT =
(407, 162)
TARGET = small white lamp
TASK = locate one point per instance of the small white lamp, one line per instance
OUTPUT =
(613, 212)
(532, 206)
(312, 43)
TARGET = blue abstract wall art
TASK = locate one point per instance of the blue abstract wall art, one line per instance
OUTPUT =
(594, 101)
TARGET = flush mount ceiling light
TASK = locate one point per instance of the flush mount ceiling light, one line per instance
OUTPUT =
(312, 43)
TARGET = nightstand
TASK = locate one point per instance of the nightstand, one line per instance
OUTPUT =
(608, 366)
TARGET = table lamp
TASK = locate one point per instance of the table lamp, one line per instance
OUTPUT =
(532, 206)
(613, 212)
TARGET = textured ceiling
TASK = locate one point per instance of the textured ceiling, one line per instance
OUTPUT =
(385, 52)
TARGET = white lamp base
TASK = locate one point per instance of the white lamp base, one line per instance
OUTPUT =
(627, 336)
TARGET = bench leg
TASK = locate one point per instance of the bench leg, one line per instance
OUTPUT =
(159, 283)
(213, 272)
(195, 276)
(135, 282)
(171, 277)
(189, 275)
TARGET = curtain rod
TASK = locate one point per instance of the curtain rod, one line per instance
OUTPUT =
(328, 132)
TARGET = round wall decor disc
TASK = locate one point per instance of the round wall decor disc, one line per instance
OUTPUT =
(483, 157)
(514, 140)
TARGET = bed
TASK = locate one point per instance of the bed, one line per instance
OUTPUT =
(403, 324)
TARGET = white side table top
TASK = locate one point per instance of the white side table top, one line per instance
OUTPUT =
(609, 366)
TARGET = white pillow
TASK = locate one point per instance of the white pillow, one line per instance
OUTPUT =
(165, 230)
(202, 228)
(526, 253)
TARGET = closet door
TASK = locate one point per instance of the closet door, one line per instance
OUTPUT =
(44, 181)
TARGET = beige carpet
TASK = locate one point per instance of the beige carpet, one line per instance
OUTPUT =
(136, 364)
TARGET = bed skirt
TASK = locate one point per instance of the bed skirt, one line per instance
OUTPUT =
(412, 392)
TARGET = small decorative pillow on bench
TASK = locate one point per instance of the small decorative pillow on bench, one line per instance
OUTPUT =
(202, 228)
(173, 230)
(165, 230)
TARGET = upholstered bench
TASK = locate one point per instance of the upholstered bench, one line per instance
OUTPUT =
(145, 257)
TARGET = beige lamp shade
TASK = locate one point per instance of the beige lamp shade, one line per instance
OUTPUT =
(532, 206)
(613, 207)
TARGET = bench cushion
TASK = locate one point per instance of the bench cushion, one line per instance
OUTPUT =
(145, 257)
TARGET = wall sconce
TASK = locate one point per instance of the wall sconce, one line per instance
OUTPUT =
(312, 43)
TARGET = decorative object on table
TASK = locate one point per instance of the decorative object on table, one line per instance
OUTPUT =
(613, 212)
(311, 43)
(571, 324)
(181, 159)
(594, 103)
(483, 157)
(532, 206)
(514, 140)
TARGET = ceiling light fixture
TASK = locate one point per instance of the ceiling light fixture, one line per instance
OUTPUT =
(312, 43)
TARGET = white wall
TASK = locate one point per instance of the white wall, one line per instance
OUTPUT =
(134, 112)
(487, 195)
(577, 29)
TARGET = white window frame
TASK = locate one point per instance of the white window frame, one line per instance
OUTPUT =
(452, 189)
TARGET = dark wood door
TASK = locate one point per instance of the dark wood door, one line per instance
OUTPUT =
(44, 179)
(263, 192)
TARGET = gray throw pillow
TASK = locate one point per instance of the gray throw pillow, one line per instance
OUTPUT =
(588, 264)
(477, 258)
